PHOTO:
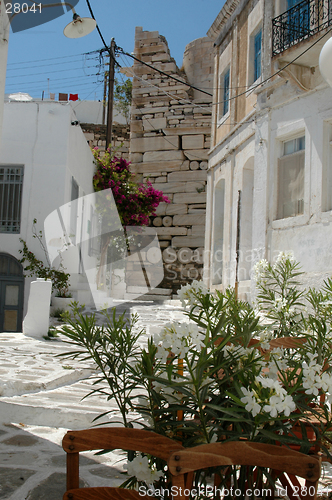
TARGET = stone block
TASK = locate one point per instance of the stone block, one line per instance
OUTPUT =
(161, 209)
(190, 198)
(176, 208)
(196, 154)
(167, 221)
(157, 221)
(155, 166)
(185, 165)
(143, 144)
(194, 165)
(187, 241)
(195, 187)
(161, 179)
(188, 220)
(193, 141)
(187, 176)
(188, 130)
(154, 123)
(198, 230)
(162, 57)
(173, 231)
(160, 156)
(136, 157)
(171, 187)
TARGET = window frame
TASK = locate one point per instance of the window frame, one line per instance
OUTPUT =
(13, 205)
(251, 59)
(284, 134)
(223, 102)
(257, 55)
(326, 182)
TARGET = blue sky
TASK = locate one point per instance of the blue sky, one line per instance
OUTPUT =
(41, 53)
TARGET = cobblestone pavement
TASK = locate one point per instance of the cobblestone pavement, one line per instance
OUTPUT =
(41, 398)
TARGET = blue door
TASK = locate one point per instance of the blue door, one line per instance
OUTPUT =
(298, 20)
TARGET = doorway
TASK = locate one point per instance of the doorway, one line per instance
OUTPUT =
(11, 294)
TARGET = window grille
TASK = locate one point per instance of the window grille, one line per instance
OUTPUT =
(11, 184)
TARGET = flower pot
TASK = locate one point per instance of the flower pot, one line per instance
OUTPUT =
(62, 303)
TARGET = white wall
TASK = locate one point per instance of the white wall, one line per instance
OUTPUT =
(39, 135)
(92, 112)
(4, 35)
(309, 235)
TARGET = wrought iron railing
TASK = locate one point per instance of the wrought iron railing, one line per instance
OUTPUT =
(300, 22)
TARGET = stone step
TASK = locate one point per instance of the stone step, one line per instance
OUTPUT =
(146, 297)
(61, 407)
(155, 291)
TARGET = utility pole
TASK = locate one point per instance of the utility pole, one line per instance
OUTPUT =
(110, 94)
(105, 97)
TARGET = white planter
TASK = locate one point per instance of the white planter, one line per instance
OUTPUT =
(36, 321)
(62, 303)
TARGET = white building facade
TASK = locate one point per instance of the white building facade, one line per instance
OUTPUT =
(270, 166)
(45, 162)
(4, 35)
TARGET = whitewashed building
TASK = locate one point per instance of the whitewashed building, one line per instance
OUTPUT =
(4, 35)
(270, 165)
(45, 162)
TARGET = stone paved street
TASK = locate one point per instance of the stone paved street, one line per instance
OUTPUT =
(40, 399)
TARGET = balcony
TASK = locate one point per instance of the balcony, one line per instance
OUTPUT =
(300, 23)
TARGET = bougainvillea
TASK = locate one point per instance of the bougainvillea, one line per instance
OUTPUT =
(135, 202)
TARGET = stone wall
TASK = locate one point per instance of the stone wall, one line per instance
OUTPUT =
(95, 135)
(169, 144)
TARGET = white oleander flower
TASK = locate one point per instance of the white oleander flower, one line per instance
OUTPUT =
(260, 269)
(250, 401)
(283, 257)
(272, 407)
(141, 469)
(188, 293)
(286, 406)
(177, 338)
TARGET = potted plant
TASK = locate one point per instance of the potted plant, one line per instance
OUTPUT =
(34, 267)
(205, 380)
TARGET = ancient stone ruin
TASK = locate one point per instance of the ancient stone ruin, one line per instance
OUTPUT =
(169, 144)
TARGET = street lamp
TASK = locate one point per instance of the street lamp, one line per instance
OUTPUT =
(80, 26)
(325, 62)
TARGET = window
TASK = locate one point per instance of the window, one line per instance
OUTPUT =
(257, 55)
(73, 211)
(11, 182)
(327, 172)
(290, 201)
(298, 19)
(224, 93)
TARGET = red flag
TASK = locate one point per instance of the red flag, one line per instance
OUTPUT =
(73, 97)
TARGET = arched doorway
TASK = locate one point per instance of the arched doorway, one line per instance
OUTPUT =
(11, 294)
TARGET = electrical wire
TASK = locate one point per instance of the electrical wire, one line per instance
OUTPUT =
(254, 87)
(41, 60)
(250, 89)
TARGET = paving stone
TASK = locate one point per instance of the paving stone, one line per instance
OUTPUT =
(21, 440)
(12, 479)
(109, 472)
(52, 488)
(18, 458)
